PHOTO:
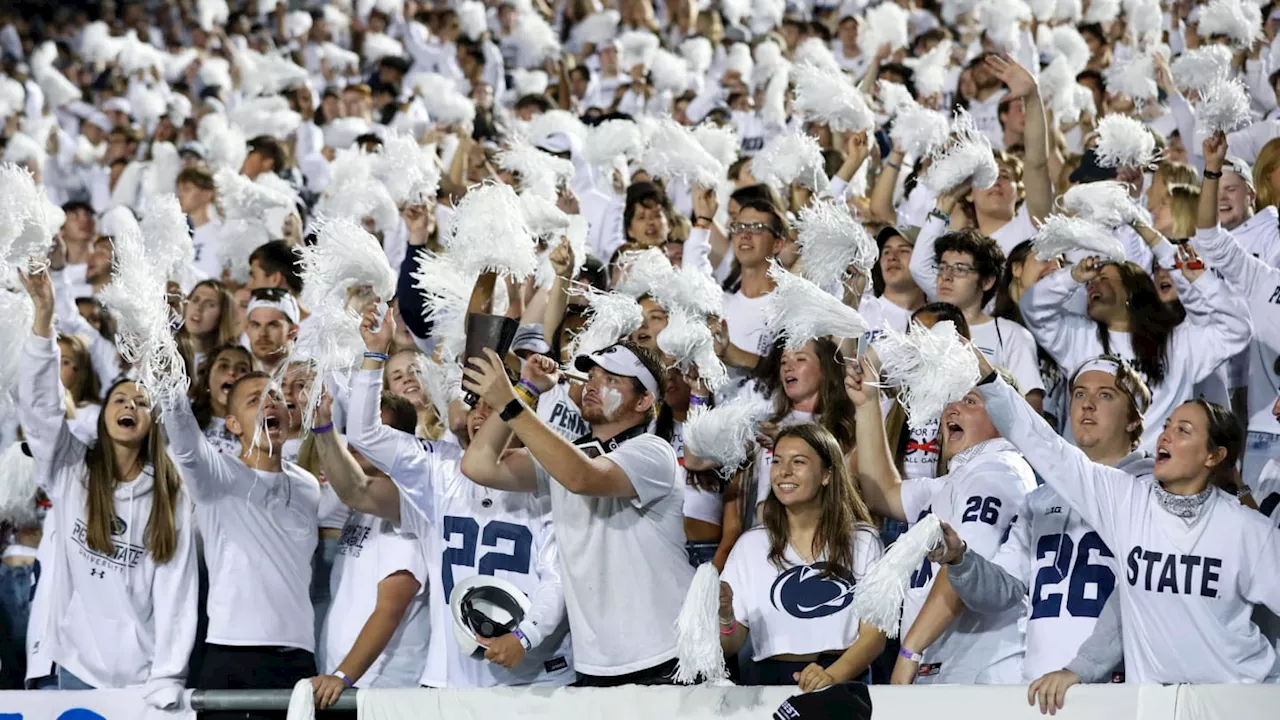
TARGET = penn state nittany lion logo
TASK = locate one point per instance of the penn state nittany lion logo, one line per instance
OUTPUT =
(802, 592)
(118, 526)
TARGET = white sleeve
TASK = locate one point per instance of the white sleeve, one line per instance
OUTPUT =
(1212, 344)
(399, 455)
(43, 416)
(1020, 358)
(174, 594)
(1045, 310)
(697, 250)
(206, 473)
(650, 465)
(548, 609)
(402, 551)
(922, 266)
(1262, 585)
(734, 576)
(1099, 493)
(917, 494)
(1014, 556)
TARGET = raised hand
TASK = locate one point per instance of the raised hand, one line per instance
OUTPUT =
(542, 371)
(950, 550)
(1017, 78)
(1215, 151)
(1087, 269)
(859, 381)
(377, 330)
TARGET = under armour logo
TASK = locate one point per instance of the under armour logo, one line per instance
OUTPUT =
(97, 573)
(1055, 510)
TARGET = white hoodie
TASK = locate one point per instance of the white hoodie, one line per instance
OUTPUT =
(114, 621)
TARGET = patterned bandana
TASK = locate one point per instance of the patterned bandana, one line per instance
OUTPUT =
(1186, 507)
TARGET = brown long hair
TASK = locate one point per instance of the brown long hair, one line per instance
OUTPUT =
(161, 537)
(85, 387)
(225, 333)
(201, 397)
(842, 506)
(1222, 430)
(835, 410)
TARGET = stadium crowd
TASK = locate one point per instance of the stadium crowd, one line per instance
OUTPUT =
(334, 332)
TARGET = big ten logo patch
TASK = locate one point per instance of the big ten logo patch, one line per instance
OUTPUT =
(351, 542)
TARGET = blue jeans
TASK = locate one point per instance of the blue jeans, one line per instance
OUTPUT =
(62, 680)
(701, 552)
(17, 587)
(321, 571)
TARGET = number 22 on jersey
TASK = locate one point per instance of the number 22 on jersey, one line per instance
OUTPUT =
(513, 556)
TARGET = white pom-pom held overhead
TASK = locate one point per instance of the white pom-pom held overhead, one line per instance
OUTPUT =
(1198, 69)
(489, 233)
(610, 139)
(688, 340)
(799, 311)
(1223, 107)
(610, 316)
(831, 240)
(1059, 235)
(673, 152)
(788, 158)
(724, 433)
(877, 599)
(919, 130)
(1238, 20)
(1107, 203)
(966, 156)
(826, 95)
(1124, 142)
(931, 367)
(698, 651)
(643, 272)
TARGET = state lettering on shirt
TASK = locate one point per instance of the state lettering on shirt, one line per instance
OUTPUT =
(351, 542)
(1172, 573)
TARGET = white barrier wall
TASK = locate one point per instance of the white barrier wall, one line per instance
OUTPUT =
(1096, 702)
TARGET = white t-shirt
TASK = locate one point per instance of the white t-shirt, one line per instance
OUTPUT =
(745, 318)
(796, 611)
(1010, 346)
(979, 497)
(625, 568)
(369, 551)
(220, 438)
(699, 504)
(259, 532)
(205, 240)
(1015, 231)
(923, 449)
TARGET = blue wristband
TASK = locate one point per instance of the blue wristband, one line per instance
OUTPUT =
(523, 640)
(322, 429)
(381, 357)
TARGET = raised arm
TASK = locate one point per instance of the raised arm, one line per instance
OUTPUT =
(1046, 311)
(1035, 173)
(41, 409)
(878, 477)
(358, 491)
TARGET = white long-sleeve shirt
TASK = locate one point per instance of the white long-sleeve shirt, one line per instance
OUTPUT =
(259, 530)
(113, 620)
(1187, 590)
(469, 530)
(1194, 351)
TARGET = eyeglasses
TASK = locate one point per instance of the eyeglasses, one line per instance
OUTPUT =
(754, 228)
(958, 270)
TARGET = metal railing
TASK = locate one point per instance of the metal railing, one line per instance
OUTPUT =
(258, 700)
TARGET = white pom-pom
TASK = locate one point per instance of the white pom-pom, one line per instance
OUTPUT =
(1058, 87)
(673, 152)
(919, 130)
(58, 90)
(831, 240)
(1124, 142)
(166, 235)
(1200, 68)
(245, 205)
(443, 381)
(597, 27)
(1060, 234)
(380, 45)
(698, 651)
(535, 41)
(668, 72)
(542, 217)
(160, 177)
(635, 48)
(139, 301)
(688, 340)
(538, 172)
(773, 111)
(1145, 21)
(884, 24)
(551, 122)
(344, 257)
(1042, 10)
(691, 290)
(931, 70)
(931, 367)
(1135, 78)
(28, 222)
(697, 51)
(16, 313)
(212, 13)
(643, 271)
(1235, 19)
(407, 169)
(225, 142)
(1070, 11)
(799, 311)
(719, 140)
(445, 289)
(966, 156)
(788, 158)
(1224, 107)
(813, 51)
(1103, 12)
(471, 19)
(266, 116)
(488, 233)
(610, 139)
(19, 490)
(877, 599)
(610, 317)
(725, 433)
(1068, 43)
(355, 192)
(529, 82)
(340, 60)
(1106, 203)
(739, 60)
(769, 59)
(444, 103)
(826, 95)
(766, 15)
(1002, 20)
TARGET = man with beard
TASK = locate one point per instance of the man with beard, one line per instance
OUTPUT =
(615, 502)
(271, 325)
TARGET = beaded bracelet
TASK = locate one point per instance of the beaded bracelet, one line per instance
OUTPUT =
(381, 357)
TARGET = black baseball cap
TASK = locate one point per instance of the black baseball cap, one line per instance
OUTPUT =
(1090, 171)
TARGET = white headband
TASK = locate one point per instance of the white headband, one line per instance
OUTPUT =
(1101, 364)
(286, 306)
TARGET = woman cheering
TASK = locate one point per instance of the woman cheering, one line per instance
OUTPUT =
(117, 607)
(788, 584)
